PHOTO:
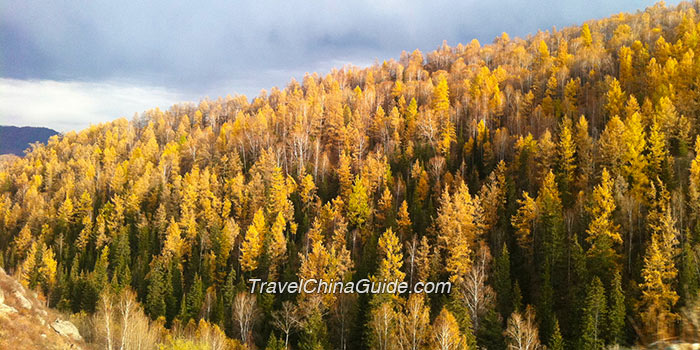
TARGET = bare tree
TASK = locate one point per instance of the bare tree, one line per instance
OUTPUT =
(382, 323)
(522, 331)
(342, 314)
(446, 333)
(473, 291)
(209, 300)
(210, 334)
(286, 320)
(122, 324)
(106, 312)
(244, 312)
(127, 304)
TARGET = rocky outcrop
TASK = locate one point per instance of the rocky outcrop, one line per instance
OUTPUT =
(66, 329)
(27, 324)
(5, 310)
(22, 301)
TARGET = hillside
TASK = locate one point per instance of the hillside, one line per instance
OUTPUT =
(554, 180)
(14, 140)
(25, 322)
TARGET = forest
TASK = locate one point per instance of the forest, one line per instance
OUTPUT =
(553, 179)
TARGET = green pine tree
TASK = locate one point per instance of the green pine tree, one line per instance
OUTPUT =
(273, 343)
(594, 317)
(314, 334)
(502, 283)
(155, 298)
(556, 342)
(517, 298)
(122, 257)
(616, 312)
(195, 298)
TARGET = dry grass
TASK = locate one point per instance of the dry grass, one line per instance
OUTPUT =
(29, 329)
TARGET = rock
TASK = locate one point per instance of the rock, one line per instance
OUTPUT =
(23, 302)
(66, 329)
(2, 297)
(6, 310)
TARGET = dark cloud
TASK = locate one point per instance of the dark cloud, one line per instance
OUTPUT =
(219, 47)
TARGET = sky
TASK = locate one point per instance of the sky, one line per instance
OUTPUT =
(69, 64)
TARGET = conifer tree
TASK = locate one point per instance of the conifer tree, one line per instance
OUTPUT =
(276, 244)
(556, 342)
(502, 282)
(523, 222)
(155, 299)
(194, 299)
(694, 187)
(634, 161)
(359, 210)
(615, 99)
(616, 311)
(602, 233)
(612, 145)
(594, 317)
(586, 36)
(252, 245)
(173, 245)
(100, 275)
(440, 102)
(550, 251)
(458, 223)
(403, 222)
(391, 258)
(566, 163)
(584, 154)
(658, 275)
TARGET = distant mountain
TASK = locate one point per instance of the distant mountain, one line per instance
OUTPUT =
(14, 140)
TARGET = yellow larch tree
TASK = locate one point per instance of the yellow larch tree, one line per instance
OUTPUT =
(584, 154)
(403, 222)
(524, 221)
(252, 245)
(277, 244)
(634, 161)
(459, 225)
(658, 296)
(172, 247)
(391, 257)
(615, 99)
(612, 145)
(694, 186)
(566, 150)
(603, 234)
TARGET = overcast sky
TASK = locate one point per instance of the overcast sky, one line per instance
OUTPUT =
(69, 64)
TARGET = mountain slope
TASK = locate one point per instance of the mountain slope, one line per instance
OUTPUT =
(26, 324)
